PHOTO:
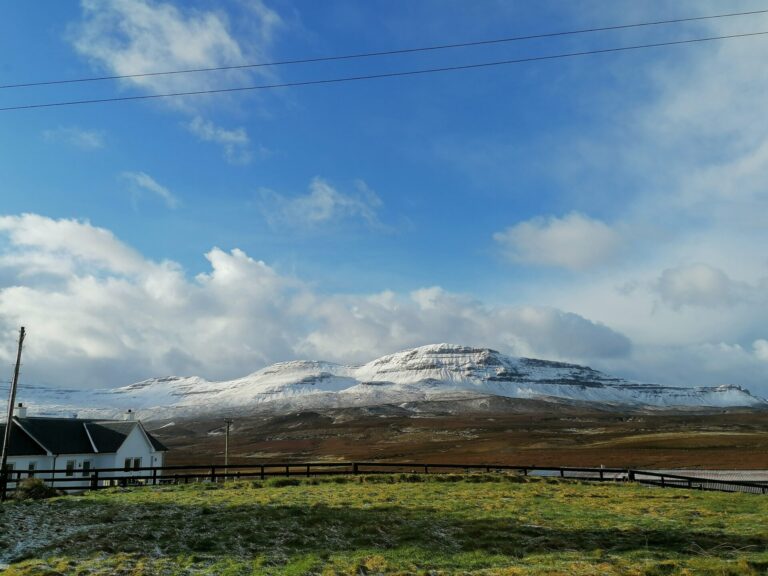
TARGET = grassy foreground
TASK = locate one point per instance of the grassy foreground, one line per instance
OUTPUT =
(485, 524)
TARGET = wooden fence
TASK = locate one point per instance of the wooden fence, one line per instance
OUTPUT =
(99, 478)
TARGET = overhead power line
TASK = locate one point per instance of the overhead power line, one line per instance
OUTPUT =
(343, 79)
(385, 52)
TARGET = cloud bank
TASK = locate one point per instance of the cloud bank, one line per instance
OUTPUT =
(105, 315)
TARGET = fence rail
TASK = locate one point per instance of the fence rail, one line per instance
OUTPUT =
(98, 478)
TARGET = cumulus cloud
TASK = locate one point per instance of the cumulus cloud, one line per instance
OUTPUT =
(352, 327)
(575, 241)
(114, 317)
(323, 204)
(143, 182)
(235, 143)
(76, 136)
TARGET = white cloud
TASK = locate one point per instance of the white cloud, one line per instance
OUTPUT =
(127, 37)
(235, 143)
(141, 181)
(114, 317)
(574, 241)
(697, 285)
(130, 37)
(75, 136)
(76, 243)
(760, 348)
(323, 204)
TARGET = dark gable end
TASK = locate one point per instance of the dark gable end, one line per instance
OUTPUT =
(109, 436)
(21, 443)
(156, 444)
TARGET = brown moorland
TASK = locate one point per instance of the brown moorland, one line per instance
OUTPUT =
(516, 432)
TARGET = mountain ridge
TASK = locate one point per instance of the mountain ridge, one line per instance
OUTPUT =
(422, 374)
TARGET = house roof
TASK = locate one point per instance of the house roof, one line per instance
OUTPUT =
(78, 436)
(58, 435)
(21, 444)
(109, 436)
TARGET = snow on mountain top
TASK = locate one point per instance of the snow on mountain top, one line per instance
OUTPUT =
(425, 373)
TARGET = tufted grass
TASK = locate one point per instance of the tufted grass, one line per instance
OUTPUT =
(492, 524)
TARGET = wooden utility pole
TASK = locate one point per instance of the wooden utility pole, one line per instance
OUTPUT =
(9, 422)
(228, 422)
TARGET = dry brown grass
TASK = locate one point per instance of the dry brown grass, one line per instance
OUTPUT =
(563, 436)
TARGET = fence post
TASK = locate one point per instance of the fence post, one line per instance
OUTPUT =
(262, 471)
(95, 480)
(307, 470)
(287, 471)
(562, 472)
(426, 469)
(213, 473)
(354, 468)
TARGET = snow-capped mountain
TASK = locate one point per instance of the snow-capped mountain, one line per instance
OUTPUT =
(436, 372)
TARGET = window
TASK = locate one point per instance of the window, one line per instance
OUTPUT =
(31, 467)
(86, 467)
(136, 463)
(70, 468)
(127, 466)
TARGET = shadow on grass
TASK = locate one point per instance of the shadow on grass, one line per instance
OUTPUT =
(282, 531)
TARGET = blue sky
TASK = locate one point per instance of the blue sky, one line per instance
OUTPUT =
(605, 209)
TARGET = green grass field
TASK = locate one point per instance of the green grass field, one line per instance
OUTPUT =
(485, 524)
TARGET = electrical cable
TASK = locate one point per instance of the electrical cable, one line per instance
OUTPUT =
(343, 79)
(386, 52)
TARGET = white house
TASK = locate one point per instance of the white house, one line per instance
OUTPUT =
(72, 448)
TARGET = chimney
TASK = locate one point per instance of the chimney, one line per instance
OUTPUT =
(21, 411)
(130, 415)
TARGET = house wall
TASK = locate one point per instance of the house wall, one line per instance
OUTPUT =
(21, 463)
(57, 463)
(135, 445)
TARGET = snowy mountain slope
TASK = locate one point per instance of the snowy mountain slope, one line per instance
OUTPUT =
(435, 372)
